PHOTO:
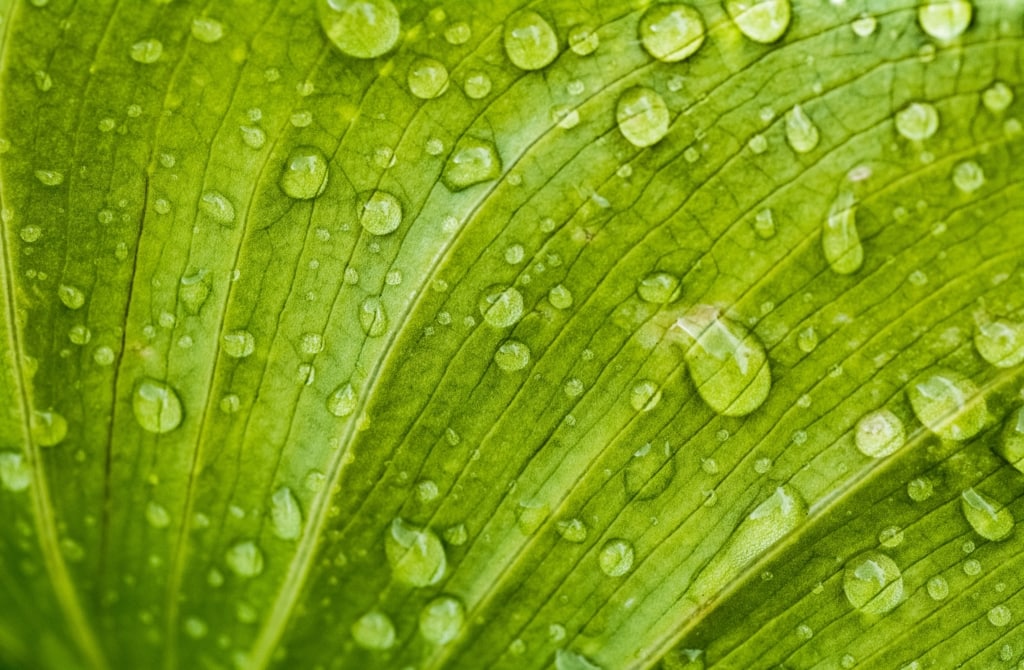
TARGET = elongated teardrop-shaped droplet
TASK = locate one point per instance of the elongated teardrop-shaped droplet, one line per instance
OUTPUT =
(989, 519)
(762, 21)
(442, 619)
(15, 473)
(382, 214)
(472, 162)
(839, 238)
(360, 28)
(671, 33)
(343, 401)
(944, 19)
(49, 428)
(373, 318)
(1011, 443)
(879, 434)
(427, 78)
(374, 631)
(156, 406)
(415, 554)
(1000, 342)
(530, 41)
(769, 522)
(801, 133)
(948, 404)
(642, 116)
(217, 206)
(873, 583)
(305, 173)
(285, 514)
(917, 121)
(727, 363)
(245, 559)
(193, 292)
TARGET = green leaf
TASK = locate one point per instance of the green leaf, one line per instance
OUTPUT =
(380, 334)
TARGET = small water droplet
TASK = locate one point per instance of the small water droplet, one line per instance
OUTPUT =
(571, 660)
(501, 306)
(649, 472)
(1011, 443)
(659, 288)
(382, 214)
(989, 519)
(530, 41)
(156, 406)
(944, 19)
(193, 292)
(1000, 342)
(891, 537)
(253, 136)
(642, 116)
(305, 173)
(879, 434)
(360, 28)
(512, 355)
(807, 340)
(839, 238)
(343, 401)
(997, 97)
(616, 558)
(864, 25)
(15, 473)
(472, 162)
(217, 206)
(239, 343)
(458, 33)
(763, 21)
(560, 297)
(195, 628)
(374, 631)
(937, 588)
(372, 317)
(1000, 616)
(671, 33)
(476, 85)
(456, 535)
(917, 121)
(427, 78)
(415, 555)
(968, 176)
(873, 583)
(285, 514)
(801, 133)
(920, 489)
(572, 530)
(441, 619)
(948, 404)
(644, 396)
(764, 224)
(50, 177)
(71, 296)
(146, 51)
(207, 30)
(583, 40)
(244, 558)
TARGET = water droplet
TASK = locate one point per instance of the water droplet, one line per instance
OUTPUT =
(801, 133)
(427, 78)
(374, 631)
(727, 363)
(891, 537)
(764, 224)
(70, 296)
(512, 355)
(864, 25)
(583, 40)
(1011, 444)
(572, 530)
(873, 583)
(949, 405)
(501, 306)
(156, 406)
(245, 559)
(441, 619)
(645, 396)
(415, 554)
(217, 206)
(616, 558)
(570, 660)
(989, 519)
(649, 472)
(659, 288)
(146, 51)
(560, 297)
(839, 238)
(762, 21)
(937, 588)
(472, 162)
(879, 434)
(1000, 616)
(195, 628)
(15, 473)
(968, 176)
(807, 340)
(944, 19)
(239, 343)
(343, 401)
(530, 41)
(920, 489)
(381, 214)
(285, 514)
(642, 116)
(917, 121)
(1000, 342)
(253, 136)
(360, 28)
(49, 428)
(193, 292)
(476, 85)
(29, 234)
(671, 33)
(997, 97)
(456, 535)
(972, 567)
(157, 515)
(372, 317)
(207, 30)
(458, 33)
(305, 173)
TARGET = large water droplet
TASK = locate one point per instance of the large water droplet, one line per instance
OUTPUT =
(374, 631)
(801, 133)
(727, 363)
(839, 238)
(530, 41)
(472, 162)
(343, 401)
(616, 557)
(156, 406)
(642, 116)
(285, 514)
(944, 19)
(917, 121)
(671, 33)
(948, 404)
(1000, 342)
(879, 434)
(649, 472)
(244, 558)
(769, 522)
(427, 78)
(360, 28)
(381, 214)
(873, 583)
(442, 619)
(501, 306)
(989, 519)
(305, 173)
(49, 428)
(415, 554)
(239, 343)
(15, 473)
(762, 21)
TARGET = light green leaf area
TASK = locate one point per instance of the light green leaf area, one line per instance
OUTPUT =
(572, 335)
